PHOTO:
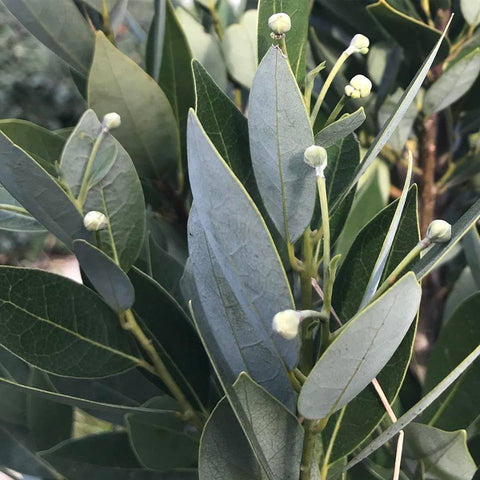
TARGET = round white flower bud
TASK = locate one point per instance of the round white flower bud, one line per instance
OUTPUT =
(359, 87)
(286, 323)
(95, 221)
(280, 24)
(439, 231)
(316, 157)
(111, 120)
(359, 44)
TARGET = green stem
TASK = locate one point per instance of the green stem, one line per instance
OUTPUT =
(283, 45)
(216, 19)
(328, 454)
(14, 209)
(323, 92)
(322, 193)
(82, 196)
(336, 111)
(295, 263)
(309, 441)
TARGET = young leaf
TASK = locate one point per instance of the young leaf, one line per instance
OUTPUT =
(149, 129)
(60, 326)
(470, 11)
(341, 128)
(14, 217)
(416, 410)
(253, 269)
(360, 350)
(296, 38)
(59, 26)
(280, 133)
(428, 262)
(110, 281)
(156, 39)
(453, 83)
(28, 183)
(118, 194)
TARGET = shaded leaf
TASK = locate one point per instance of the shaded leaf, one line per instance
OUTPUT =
(471, 248)
(14, 217)
(341, 128)
(470, 11)
(462, 289)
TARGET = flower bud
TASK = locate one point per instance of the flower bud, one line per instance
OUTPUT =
(359, 44)
(286, 323)
(95, 221)
(279, 24)
(359, 87)
(439, 231)
(316, 157)
(111, 120)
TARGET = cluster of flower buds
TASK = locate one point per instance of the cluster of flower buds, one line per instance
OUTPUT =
(110, 121)
(279, 24)
(95, 221)
(359, 87)
(317, 158)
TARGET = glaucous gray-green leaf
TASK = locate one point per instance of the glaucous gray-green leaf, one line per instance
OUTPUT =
(14, 217)
(471, 248)
(453, 83)
(205, 47)
(49, 422)
(280, 133)
(277, 430)
(459, 406)
(39, 193)
(162, 442)
(60, 326)
(243, 342)
(58, 25)
(296, 38)
(360, 350)
(341, 128)
(118, 194)
(428, 262)
(110, 281)
(105, 456)
(230, 220)
(149, 130)
(240, 48)
(470, 11)
(417, 409)
(445, 455)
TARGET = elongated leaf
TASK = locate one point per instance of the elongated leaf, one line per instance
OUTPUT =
(397, 115)
(428, 262)
(61, 326)
(470, 11)
(453, 83)
(280, 133)
(416, 410)
(296, 39)
(162, 442)
(149, 129)
(458, 407)
(360, 351)
(341, 128)
(230, 220)
(106, 456)
(58, 25)
(14, 217)
(118, 194)
(156, 39)
(471, 248)
(28, 183)
(444, 454)
(107, 277)
(243, 342)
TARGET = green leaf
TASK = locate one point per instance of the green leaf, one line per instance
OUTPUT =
(453, 83)
(165, 322)
(471, 248)
(416, 37)
(249, 267)
(205, 47)
(458, 407)
(360, 350)
(341, 128)
(118, 195)
(156, 39)
(162, 442)
(397, 115)
(444, 454)
(149, 130)
(242, 341)
(280, 133)
(49, 422)
(240, 48)
(276, 429)
(428, 262)
(296, 38)
(59, 26)
(60, 326)
(462, 289)
(416, 410)
(14, 217)
(470, 11)
(106, 456)
(27, 182)
(110, 281)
